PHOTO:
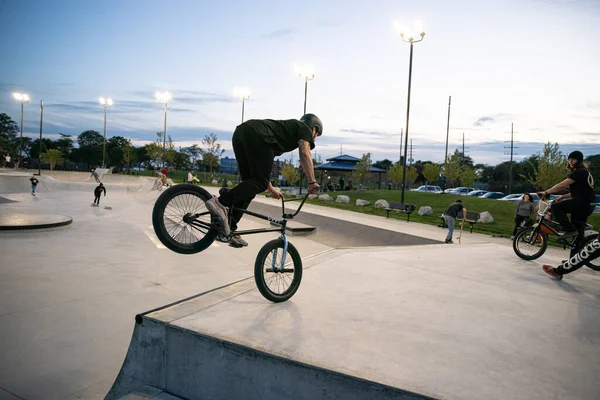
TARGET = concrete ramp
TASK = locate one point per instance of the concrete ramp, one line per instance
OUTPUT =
(390, 323)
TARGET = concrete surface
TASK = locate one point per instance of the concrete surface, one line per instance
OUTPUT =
(452, 321)
(12, 222)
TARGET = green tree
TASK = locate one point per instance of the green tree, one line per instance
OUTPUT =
(129, 154)
(193, 152)
(551, 167)
(52, 157)
(467, 177)
(362, 168)
(8, 135)
(384, 164)
(431, 172)
(452, 169)
(290, 173)
(395, 173)
(211, 151)
(155, 152)
(90, 147)
(411, 175)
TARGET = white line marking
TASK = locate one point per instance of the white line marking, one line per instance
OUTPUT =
(154, 239)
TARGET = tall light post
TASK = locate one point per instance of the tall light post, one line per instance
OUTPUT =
(165, 97)
(307, 73)
(243, 94)
(410, 39)
(41, 125)
(106, 103)
(21, 98)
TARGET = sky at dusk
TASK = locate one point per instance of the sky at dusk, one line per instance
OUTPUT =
(532, 63)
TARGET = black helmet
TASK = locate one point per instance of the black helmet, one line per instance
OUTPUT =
(314, 122)
(576, 155)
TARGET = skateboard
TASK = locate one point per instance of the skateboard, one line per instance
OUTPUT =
(461, 228)
(108, 208)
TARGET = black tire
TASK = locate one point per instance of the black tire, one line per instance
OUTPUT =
(528, 247)
(277, 286)
(159, 186)
(172, 222)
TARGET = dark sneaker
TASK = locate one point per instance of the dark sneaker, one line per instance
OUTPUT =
(448, 241)
(237, 241)
(218, 211)
(549, 269)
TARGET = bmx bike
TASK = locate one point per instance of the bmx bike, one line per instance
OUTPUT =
(184, 225)
(531, 242)
(159, 184)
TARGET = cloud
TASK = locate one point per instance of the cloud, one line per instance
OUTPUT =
(362, 132)
(483, 120)
(279, 34)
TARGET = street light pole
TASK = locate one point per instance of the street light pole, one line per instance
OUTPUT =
(40, 151)
(408, 38)
(106, 103)
(166, 98)
(447, 134)
(22, 98)
(308, 74)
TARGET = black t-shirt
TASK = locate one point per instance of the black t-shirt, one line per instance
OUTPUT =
(34, 181)
(282, 135)
(454, 209)
(583, 187)
(98, 191)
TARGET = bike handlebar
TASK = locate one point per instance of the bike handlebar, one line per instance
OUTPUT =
(292, 215)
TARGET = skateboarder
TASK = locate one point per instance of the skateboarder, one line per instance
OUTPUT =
(95, 175)
(97, 192)
(34, 183)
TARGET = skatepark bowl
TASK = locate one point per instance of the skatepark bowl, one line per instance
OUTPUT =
(101, 309)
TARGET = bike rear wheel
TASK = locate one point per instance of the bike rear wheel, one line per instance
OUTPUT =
(181, 220)
(275, 284)
(530, 243)
(159, 186)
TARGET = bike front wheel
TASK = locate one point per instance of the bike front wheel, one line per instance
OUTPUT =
(181, 220)
(530, 243)
(275, 282)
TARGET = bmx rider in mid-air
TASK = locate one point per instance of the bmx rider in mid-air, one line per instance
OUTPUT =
(256, 143)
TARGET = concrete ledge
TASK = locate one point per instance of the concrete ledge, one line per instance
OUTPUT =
(15, 222)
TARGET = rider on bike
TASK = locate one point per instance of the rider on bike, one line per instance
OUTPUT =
(164, 174)
(255, 144)
(578, 203)
(581, 186)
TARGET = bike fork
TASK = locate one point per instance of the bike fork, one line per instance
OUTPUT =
(285, 246)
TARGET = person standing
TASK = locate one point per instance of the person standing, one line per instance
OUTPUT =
(97, 192)
(450, 217)
(523, 211)
(342, 183)
(34, 183)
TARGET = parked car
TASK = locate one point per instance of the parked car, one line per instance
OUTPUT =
(519, 197)
(492, 195)
(463, 191)
(428, 188)
(477, 193)
(449, 190)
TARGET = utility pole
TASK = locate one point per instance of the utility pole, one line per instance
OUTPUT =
(447, 130)
(512, 153)
(463, 152)
(41, 124)
(401, 135)
(411, 153)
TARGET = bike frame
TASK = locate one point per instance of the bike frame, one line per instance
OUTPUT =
(281, 222)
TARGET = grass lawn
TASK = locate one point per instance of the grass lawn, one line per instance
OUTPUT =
(502, 211)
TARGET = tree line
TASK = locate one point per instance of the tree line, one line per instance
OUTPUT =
(120, 154)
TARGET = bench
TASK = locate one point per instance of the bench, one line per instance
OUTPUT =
(472, 218)
(401, 207)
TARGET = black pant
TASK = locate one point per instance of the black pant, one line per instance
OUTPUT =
(588, 253)
(97, 199)
(255, 161)
(518, 221)
(579, 209)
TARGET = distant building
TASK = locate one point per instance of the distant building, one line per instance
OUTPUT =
(228, 166)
